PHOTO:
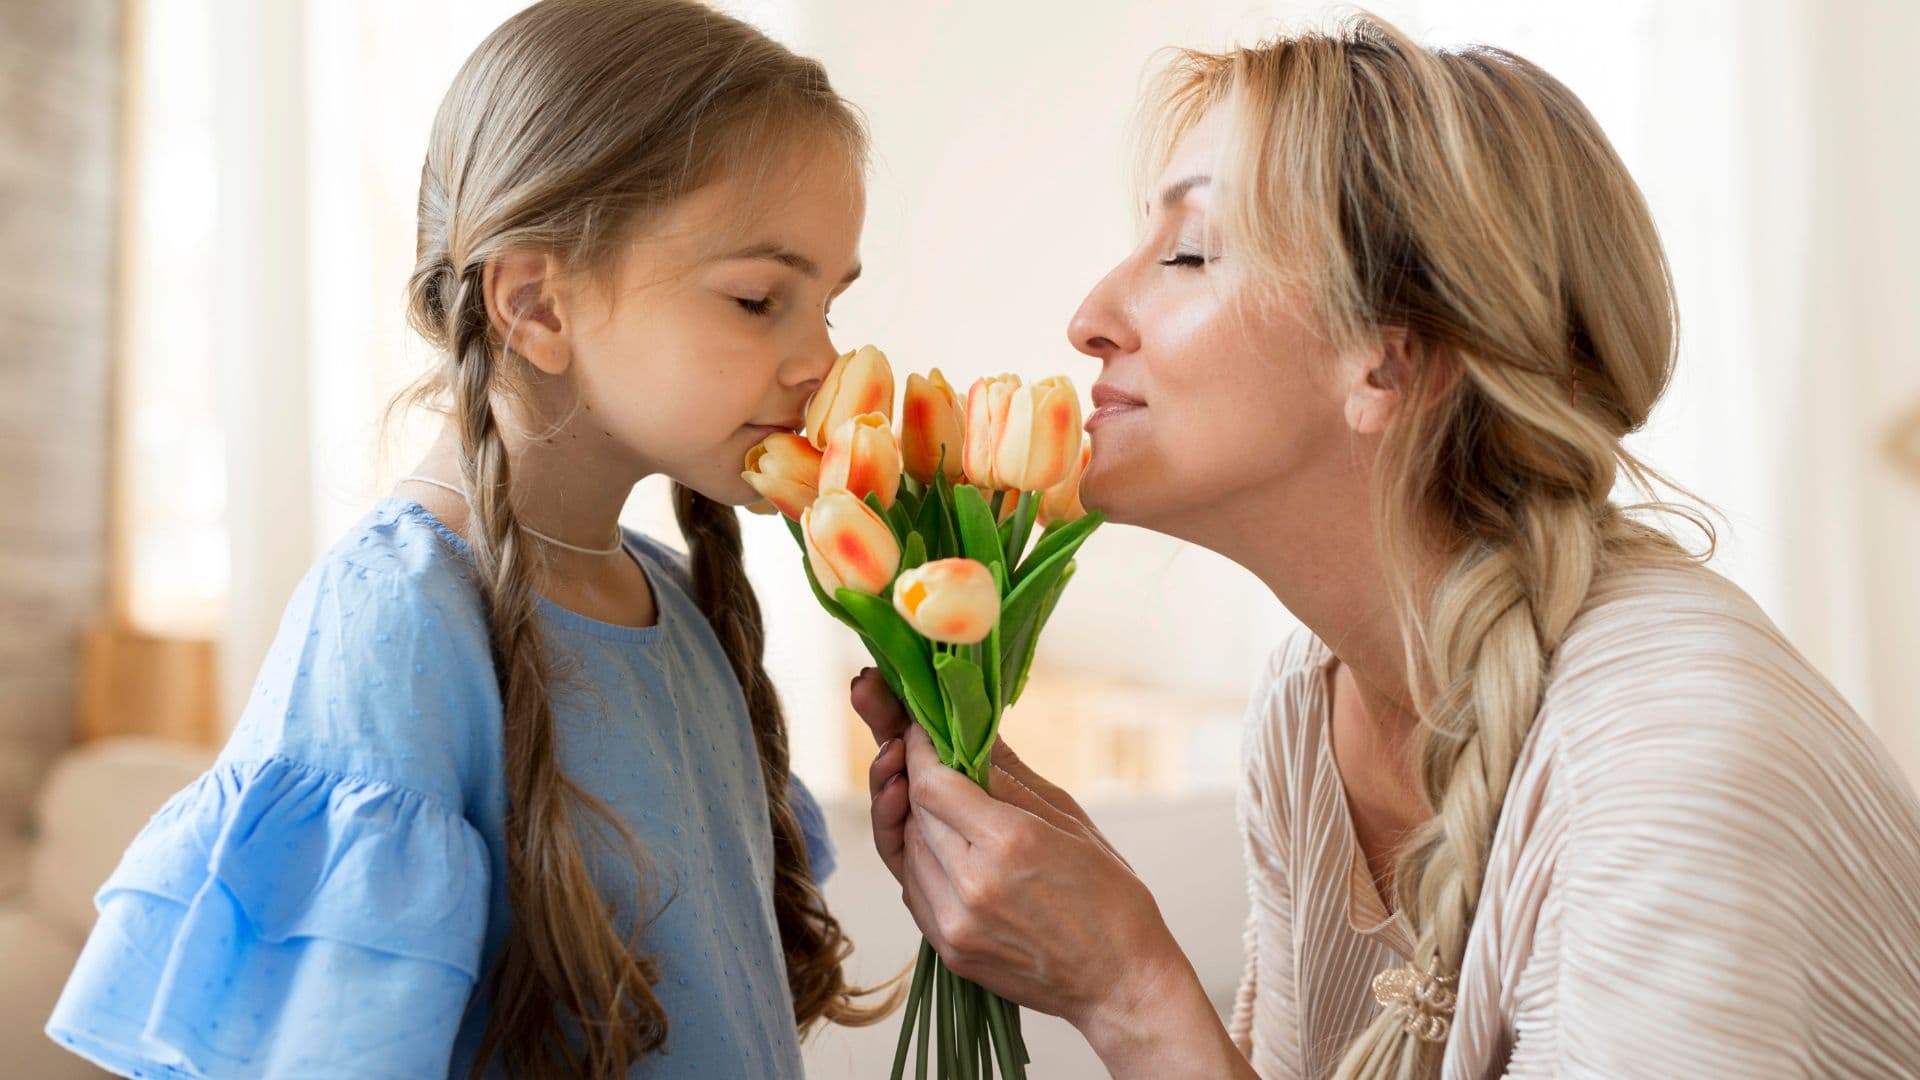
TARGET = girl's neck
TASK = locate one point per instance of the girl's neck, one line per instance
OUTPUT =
(565, 496)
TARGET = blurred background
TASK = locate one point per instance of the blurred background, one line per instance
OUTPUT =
(206, 220)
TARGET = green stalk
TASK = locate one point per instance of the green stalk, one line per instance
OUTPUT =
(926, 1015)
(983, 1029)
(1019, 1038)
(916, 1002)
(943, 979)
(1003, 1045)
(968, 1027)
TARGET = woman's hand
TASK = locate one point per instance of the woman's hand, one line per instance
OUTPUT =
(1019, 892)
(1013, 781)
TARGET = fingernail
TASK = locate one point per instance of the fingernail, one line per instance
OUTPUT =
(883, 750)
(892, 780)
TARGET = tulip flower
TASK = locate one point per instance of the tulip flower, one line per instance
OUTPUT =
(951, 600)
(1041, 438)
(785, 470)
(860, 382)
(862, 458)
(933, 422)
(849, 546)
(1060, 504)
(987, 405)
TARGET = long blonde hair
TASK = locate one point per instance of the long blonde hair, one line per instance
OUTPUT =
(1468, 198)
(570, 124)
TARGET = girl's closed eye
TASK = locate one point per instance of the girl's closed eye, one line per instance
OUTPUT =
(1187, 258)
(764, 306)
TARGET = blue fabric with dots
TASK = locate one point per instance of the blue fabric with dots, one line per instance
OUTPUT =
(328, 898)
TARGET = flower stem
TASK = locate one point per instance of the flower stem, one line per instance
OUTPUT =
(916, 1004)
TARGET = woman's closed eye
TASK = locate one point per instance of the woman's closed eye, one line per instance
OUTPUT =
(1188, 259)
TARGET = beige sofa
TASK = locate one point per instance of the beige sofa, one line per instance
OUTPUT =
(98, 796)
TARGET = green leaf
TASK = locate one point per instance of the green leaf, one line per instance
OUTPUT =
(979, 539)
(964, 690)
(949, 545)
(887, 633)
(1056, 537)
(1020, 526)
(996, 683)
(932, 525)
(1021, 614)
(915, 552)
(902, 521)
(1019, 651)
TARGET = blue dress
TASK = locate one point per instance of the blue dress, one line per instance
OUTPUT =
(328, 898)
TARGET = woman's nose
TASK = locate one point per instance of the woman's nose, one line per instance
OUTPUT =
(1102, 326)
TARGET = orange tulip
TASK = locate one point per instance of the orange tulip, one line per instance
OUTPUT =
(932, 420)
(860, 382)
(951, 600)
(862, 458)
(785, 470)
(987, 405)
(848, 545)
(1061, 503)
(1041, 439)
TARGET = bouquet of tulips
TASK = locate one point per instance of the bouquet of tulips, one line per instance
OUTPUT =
(920, 543)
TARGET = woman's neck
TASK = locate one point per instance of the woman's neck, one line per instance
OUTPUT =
(1325, 567)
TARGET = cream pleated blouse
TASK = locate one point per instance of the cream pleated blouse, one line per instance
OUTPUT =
(1706, 866)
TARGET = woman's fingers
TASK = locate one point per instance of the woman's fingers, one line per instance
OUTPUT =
(890, 762)
(1005, 759)
(887, 790)
(877, 706)
(1014, 791)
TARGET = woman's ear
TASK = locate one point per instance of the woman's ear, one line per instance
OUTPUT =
(1375, 377)
(526, 305)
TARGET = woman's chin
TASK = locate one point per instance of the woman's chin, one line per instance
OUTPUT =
(1106, 490)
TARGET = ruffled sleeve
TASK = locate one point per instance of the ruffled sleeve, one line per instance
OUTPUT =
(279, 919)
(813, 825)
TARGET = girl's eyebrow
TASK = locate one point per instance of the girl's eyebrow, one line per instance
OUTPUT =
(788, 257)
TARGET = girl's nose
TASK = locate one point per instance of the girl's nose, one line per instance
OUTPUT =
(807, 369)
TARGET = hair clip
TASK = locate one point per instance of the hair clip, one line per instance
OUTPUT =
(1423, 999)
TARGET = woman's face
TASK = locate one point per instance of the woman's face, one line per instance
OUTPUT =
(716, 328)
(1211, 393)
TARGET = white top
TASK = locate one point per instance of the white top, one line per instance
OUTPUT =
(1706, 866)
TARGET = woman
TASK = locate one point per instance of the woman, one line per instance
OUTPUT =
(1535, 793)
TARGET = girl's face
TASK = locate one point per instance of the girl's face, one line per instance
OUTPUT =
(1212, 395)
(714, 330)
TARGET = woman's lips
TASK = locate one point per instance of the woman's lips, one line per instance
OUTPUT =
(1110, 403)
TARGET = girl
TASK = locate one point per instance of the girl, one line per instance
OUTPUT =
(512, 793)
(1534, 793)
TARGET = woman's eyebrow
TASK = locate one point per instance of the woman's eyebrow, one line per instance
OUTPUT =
(786, 256)
(1174, 192)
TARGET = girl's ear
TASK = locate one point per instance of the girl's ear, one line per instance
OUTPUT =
(1374, 378)
(526, 305)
